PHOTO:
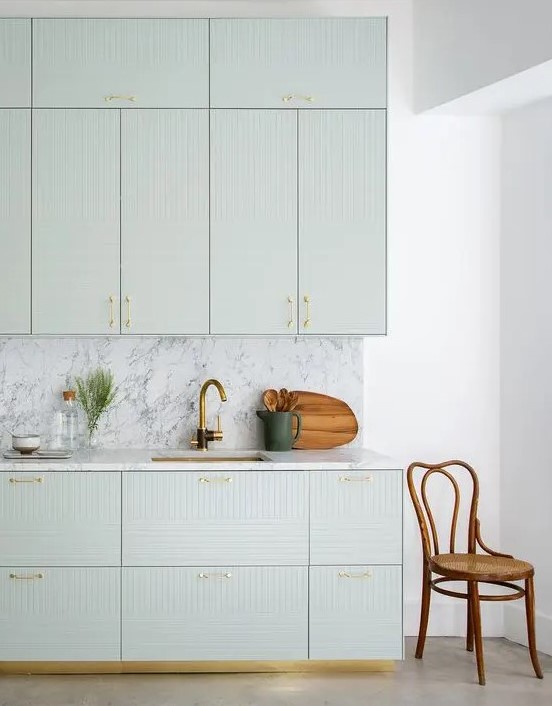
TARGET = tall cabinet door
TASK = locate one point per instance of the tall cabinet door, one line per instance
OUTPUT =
(342, 240)
(15, 220)
(15, 62)
(165, 221)
(75, 221)
(253, 221)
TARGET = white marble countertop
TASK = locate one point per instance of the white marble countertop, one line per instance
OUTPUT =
(140, 460)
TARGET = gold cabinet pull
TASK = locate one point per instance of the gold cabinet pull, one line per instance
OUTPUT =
(115, 97)
(128, 322)
(226, 575)
(297, 96)
(355, 479)
(29, 577)
(38, 479)
(111, 311)
(290, 319)
(204, 479)
(307, 322)
(347, 575)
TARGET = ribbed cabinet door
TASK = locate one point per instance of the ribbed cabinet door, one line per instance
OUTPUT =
(165, 221)
(15, 63)
(342, 241)
(298, 63)
(355, 612)
(119, 63)
(68, 614)
(215, 613)
(356, 517)
(253, 222)
(60, 518)
(15, 220)
(190, 518)
(75, 221)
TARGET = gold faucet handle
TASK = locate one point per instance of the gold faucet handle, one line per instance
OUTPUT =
(217, 435)
(193, 441)
(219, 427)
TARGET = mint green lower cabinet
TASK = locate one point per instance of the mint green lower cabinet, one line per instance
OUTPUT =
(355, 612)
(342, 231)
(75, 252)
(165, 221)
(215, 613)
(253, 222)
(15, 221)
(55, 614)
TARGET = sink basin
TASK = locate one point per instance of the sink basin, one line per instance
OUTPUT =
(200, 458)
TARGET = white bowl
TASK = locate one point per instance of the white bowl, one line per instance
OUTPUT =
(25, 443)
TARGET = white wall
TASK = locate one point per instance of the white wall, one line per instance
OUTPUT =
(526, 356)
(463, 45)
(431, 385)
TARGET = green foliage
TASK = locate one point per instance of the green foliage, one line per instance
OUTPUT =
(95, 393)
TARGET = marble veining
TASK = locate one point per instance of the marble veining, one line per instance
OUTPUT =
(159, 381)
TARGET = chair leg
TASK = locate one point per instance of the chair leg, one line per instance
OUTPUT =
(424, 613)
(530, 612)
(473, 592)
(469, 630)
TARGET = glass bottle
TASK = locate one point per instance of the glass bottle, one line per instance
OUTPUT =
(68, 422)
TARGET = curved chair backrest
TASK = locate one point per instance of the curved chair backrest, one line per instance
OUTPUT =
(428, 529)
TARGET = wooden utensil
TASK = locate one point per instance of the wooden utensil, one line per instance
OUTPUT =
(327, 421)
(293, 401)
(270, 400)
(282, 400)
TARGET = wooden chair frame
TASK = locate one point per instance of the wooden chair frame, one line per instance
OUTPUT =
(430, 547)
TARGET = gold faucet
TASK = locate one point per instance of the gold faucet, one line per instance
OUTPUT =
(205, 435)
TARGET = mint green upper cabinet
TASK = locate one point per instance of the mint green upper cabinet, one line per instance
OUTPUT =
(165, 221)
(253, 221)
(15, 220)
(298, 63)
(15, 63)
(114, 63)
(342, 240)
(75, 221)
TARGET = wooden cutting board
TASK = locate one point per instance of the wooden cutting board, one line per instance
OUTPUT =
(327, 421)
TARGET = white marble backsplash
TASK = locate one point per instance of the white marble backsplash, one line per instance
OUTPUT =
(159, 381)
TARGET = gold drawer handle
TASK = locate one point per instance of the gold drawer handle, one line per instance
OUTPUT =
(31, 577)
(347, 575)
(203, 479)
(128, 322)
(353, 479)
(38, 479)
(108, 99)
(228, 575)
(298, 96)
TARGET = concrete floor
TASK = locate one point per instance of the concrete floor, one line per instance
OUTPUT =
(445, 677)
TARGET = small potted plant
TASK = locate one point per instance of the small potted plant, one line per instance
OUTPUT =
(95, 393)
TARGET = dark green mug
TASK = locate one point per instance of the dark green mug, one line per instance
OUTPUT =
(278, 432)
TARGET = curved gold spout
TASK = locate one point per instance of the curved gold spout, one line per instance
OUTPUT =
(206, 385)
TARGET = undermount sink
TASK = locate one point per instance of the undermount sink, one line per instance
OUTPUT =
(198, 457)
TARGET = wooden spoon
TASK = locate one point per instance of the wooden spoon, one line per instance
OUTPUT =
(293, 401)
(270, 400)
(282, 400)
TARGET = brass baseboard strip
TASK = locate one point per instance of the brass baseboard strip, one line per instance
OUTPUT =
(207, 667)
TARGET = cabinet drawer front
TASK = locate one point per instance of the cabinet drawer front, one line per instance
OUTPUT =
(356, 516)
(298, 63)
(120, 63)
(205, 613)
(355, 612)
(60, 518)
(188, 518)
(59, 614)
(15, 63)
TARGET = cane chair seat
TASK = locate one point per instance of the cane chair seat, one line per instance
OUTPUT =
(479, 567)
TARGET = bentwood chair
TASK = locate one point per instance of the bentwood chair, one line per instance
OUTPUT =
(473, 568)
